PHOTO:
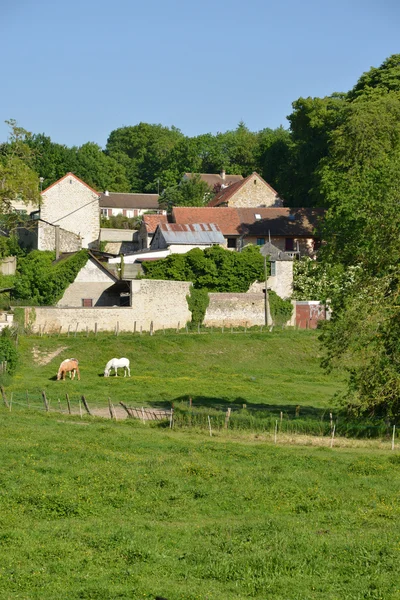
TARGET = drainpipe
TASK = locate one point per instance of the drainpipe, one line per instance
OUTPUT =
(57, 241)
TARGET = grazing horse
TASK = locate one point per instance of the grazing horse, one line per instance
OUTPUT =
(69, 365)
(117, 363)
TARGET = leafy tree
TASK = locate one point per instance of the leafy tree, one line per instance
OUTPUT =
(378, 80)
(18, 181)
(43, 282)
(190, 192)
(214, 269)
(8, 351)
(198, 301)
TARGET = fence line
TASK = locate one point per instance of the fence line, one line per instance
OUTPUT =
(184, 416)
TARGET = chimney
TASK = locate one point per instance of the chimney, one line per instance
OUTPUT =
(106, 193)
(57, 241)
(223, 174)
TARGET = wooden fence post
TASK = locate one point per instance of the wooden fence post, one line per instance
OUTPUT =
(76, 329)
(95, 329)
(3, 393)
(46, 404)
(111, 408)
(87, 331)
(209, 425)
(68, 404)
(134, 327)
(394, 432)
(69, 326)
(85, 404)
(171, 418)
(151, 328)
(227, 416)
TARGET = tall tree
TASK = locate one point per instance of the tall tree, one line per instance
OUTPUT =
(18, 181)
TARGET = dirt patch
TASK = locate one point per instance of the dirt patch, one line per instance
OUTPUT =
(44, 358)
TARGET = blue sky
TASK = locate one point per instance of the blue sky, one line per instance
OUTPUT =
(78, 70)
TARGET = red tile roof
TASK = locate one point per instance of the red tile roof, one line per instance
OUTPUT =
(253, 221)
(152, 221)
(226, 218)
(225, 194)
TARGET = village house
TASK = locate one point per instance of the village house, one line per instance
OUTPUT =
(179, 238)
(95, 285)
(113, 204)
(216, 181)
(148, 228)
(289, 229)
(74, 206)
(252, 191)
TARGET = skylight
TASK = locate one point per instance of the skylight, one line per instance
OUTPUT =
(257, 216)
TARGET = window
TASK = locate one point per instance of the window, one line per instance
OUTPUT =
(273, 268)
(87, 302)
(260, 241)
(231, 242)
(257, 216)
(289, 245)
(104, 212)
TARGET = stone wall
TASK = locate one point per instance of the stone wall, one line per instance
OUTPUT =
(40, 235)
(8, 265)
(236, 310)
(161, 302)
(255, 193)
(281, 283)
(74, 206)
(118, 235)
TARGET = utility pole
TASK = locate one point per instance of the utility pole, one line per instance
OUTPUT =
(266, 292)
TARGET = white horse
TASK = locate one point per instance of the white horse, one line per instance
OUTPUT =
(117, 363)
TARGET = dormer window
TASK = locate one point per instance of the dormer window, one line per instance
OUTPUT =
(257, 216)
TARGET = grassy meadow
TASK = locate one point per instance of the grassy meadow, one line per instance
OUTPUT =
(96, 509)
(280, 370)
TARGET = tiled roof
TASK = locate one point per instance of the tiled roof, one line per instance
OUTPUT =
(212, 179)
(152, 221)
(195, 233)
(253, 221)
(226, 218)
(119, 200)
(280, 220)
(225, 194)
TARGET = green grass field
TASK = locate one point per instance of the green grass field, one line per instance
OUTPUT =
(279, 370)
(93, 509)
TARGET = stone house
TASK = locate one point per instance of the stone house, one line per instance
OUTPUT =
(95, 285)
(251, 192)
(74, 206)
(216, 181)
(41, 235)
(290, 229)
(179, 239)
(148, 228)
(129, 205)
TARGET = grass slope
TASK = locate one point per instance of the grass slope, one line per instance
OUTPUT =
(279, 369)
(100, 510)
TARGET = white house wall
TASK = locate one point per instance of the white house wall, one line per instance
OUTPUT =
(75, 207)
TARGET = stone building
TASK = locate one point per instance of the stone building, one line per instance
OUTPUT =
(179, 239)
(251, 192)
(95, 285)
(74, 206)
(128, 205)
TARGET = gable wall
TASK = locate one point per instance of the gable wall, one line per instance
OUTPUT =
(254, 195)
(74, 207)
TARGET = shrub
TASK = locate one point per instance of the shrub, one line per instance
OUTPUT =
(281, 310)
(8, 351)
(198, 301)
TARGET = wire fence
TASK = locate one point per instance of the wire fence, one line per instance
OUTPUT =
(185, 415)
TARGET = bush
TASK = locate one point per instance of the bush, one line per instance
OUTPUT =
(43, 282)
(281, 310)
(198, 301)
(8, 351)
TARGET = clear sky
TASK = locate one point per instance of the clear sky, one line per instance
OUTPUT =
(77, 70)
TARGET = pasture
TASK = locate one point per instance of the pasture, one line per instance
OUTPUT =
(280, 370)
(95, 509)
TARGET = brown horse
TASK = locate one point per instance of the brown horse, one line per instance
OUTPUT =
(69, 365)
